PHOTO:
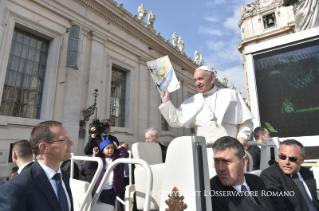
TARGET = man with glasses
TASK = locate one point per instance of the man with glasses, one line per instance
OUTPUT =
(43, 186)
(292, 186)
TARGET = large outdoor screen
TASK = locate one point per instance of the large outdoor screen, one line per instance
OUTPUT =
(287, 82)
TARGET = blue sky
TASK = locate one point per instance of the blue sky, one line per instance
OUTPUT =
(210, 27)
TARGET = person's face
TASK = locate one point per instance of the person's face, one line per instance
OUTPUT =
(150, 138)
(203, 81)
(267, 134)
(229, 169)
(59, 150)
(108, 151)
(108, 129)
(290, 158)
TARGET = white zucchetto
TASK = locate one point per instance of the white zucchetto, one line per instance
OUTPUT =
(209, 69)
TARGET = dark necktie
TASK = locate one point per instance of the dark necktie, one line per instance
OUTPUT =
(105, 137)
(304, 193)
(61, 194)
(247, 194)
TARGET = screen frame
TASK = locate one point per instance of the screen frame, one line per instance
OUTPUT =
(275, 44)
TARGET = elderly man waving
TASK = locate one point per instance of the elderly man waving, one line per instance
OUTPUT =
(214, 111)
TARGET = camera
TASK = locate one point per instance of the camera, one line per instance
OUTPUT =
(99, 126)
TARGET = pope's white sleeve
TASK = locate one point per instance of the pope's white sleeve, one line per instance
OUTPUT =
(168, 111)
(245, 129)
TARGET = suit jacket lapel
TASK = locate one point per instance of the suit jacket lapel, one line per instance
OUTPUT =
(44, 184)
(311, 183)
(292, 187)
(241, 200)
(259, 198)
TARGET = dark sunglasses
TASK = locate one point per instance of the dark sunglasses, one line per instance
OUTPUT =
(291, 159)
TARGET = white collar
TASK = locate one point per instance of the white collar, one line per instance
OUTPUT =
(238, 187)
(48, 171)
(210, 92)
(24, 165)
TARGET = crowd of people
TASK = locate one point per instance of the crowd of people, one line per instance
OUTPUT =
(40, 180)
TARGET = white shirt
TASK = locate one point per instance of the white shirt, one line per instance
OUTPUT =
(22, 167)
(304, 184)
(50, 173)
(238, 187)
(109, 179)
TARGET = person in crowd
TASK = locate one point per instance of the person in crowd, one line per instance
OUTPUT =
(22, 155)
(66, 166)
(243, 191)
(288, 176)
(260, 134)
(14, 171)
(214, 109)
(97, 135)
(152, 136)
(44, 186)
(115, 183)
(214, 112)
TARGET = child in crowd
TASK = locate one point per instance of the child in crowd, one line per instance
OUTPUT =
(114, 182)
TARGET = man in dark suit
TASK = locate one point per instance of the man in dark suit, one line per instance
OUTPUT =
(231, 189)
(288, 176)
(94, 142)
(40, 187)
(22, 155)
(260, 134)
(66, 166)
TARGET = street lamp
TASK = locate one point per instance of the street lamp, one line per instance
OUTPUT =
(86, 113)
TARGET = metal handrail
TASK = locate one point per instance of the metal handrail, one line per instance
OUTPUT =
(149, 183)
(96, 175)
(255, 143)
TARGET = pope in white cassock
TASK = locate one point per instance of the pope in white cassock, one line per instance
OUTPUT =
(214, 111)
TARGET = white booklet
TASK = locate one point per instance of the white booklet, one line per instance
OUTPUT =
(163, 75)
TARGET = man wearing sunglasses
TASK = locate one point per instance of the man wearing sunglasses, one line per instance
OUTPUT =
(291, 186)
(44, 186)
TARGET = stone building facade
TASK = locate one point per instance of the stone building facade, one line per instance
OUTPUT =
(114, 46)
(260, 21)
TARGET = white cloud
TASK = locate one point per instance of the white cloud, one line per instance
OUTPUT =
(209, 31)
(236, 76)
(232, 22)
(212, 19)
(212, 3)
(216, 46)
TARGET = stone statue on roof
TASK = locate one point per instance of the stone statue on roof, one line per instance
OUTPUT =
(142, 12)
(196, 57)
(224, 81)
(242, 9)
(233, 86)
(181, 44)
(306, 13)
(151, 19)
(201, 60)
(174, 39)
(215, 71)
